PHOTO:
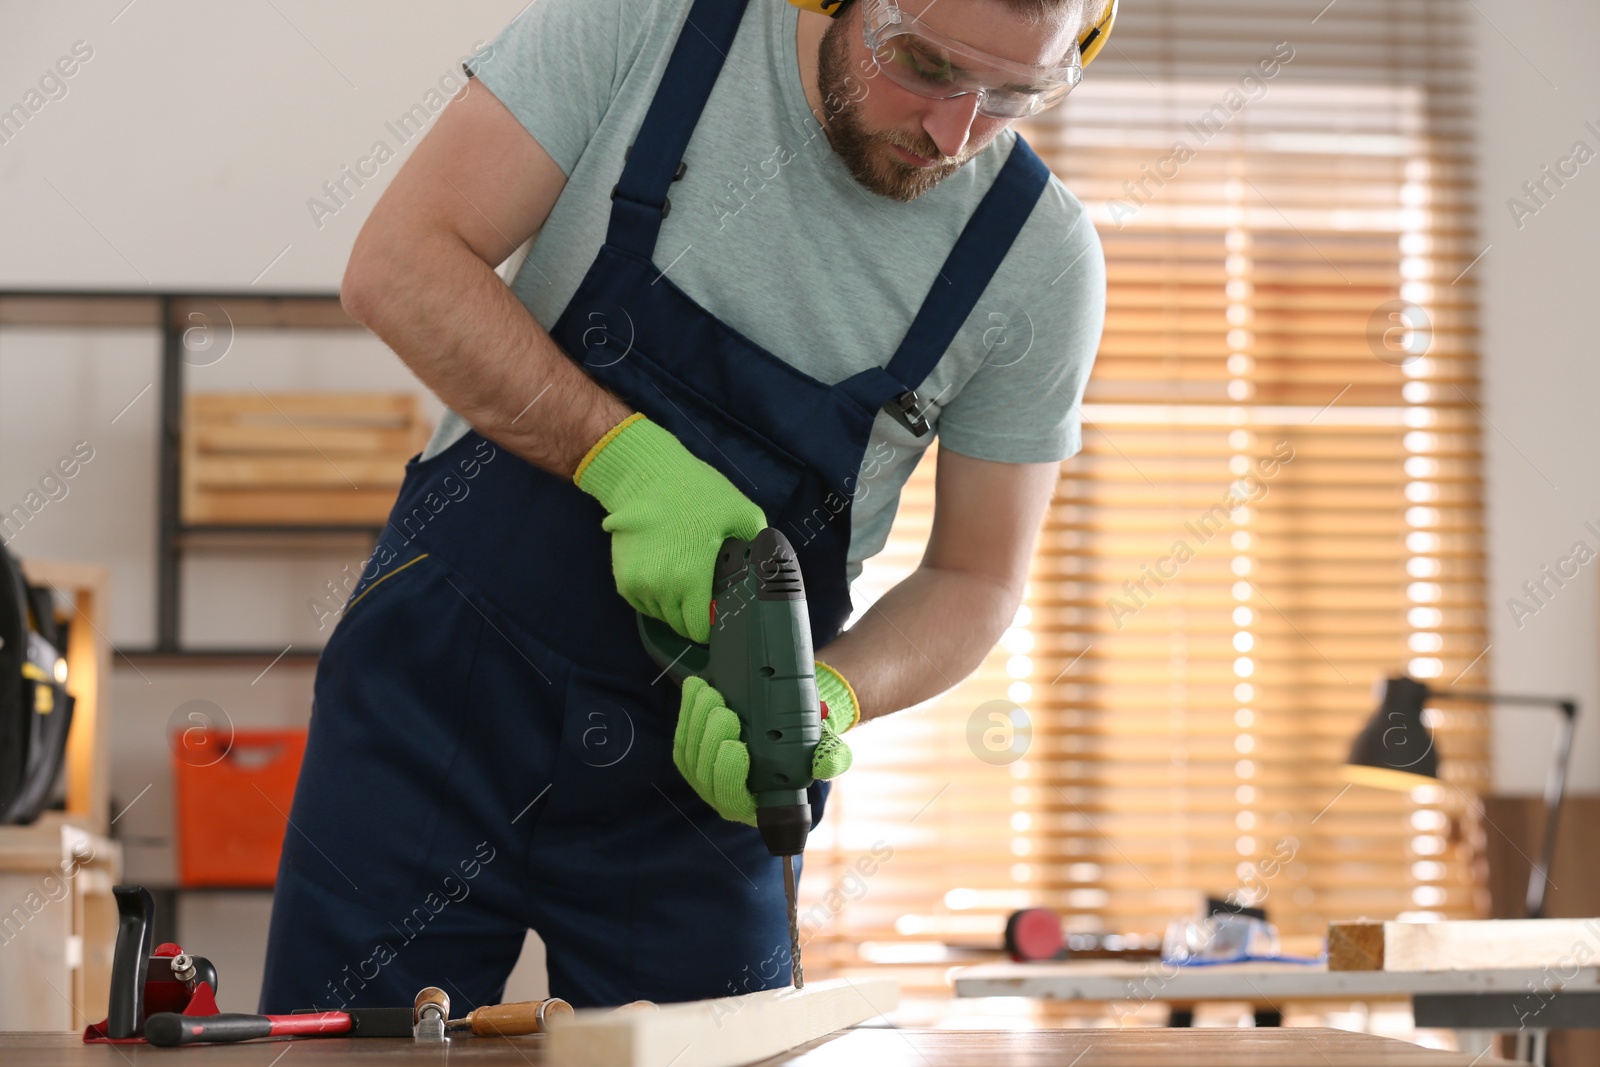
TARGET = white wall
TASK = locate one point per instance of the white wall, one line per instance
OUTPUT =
(61, 387)
(182, 154)
(1540, 290)
(186, 148)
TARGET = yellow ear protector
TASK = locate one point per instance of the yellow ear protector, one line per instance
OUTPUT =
(1089, 44)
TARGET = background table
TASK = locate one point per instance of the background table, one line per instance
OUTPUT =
(1257, 983)
(1522, 1000)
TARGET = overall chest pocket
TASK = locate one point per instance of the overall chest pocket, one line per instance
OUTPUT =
(758, 466)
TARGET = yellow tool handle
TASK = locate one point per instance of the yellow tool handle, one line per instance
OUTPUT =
(514, 1020)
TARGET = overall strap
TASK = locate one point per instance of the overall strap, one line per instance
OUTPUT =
(655, 159)
(977, 254)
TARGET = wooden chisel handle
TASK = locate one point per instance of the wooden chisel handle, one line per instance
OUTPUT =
(513, 1020)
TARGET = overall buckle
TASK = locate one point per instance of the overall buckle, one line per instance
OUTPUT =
(666, 206)
(910, 411)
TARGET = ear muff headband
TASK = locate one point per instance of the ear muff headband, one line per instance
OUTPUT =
(1089, 44)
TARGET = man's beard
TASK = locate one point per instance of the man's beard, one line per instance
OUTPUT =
(866, 153)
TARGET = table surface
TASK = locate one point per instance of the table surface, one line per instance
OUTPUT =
(1206, 1047)
(1262, 983)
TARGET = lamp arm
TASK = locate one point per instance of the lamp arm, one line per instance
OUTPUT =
(1555, 784)
(1554, 789)
(1567, 707)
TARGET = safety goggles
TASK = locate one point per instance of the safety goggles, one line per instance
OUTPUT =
(924, 61)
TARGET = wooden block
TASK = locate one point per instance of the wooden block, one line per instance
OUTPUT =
(1355, 946)
(1463, 945)
(718, 1033)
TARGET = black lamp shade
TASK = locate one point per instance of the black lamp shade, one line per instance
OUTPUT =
(1395, 750)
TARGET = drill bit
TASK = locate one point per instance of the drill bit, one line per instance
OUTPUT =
(794, 924)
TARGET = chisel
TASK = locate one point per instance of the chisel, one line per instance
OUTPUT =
(511, 1020)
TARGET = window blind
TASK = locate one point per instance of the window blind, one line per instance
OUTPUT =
(1277, 503)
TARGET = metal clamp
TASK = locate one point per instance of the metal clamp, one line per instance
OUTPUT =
(184, 970)
(910, 411)
(430, 1011)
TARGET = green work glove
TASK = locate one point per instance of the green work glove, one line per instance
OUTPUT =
(668, 514)
(716, 763)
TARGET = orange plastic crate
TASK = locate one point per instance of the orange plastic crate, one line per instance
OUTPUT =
(233, 795)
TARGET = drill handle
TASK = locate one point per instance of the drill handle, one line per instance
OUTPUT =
(680, 657)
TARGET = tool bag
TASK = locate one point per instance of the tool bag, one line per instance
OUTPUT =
(35, 707)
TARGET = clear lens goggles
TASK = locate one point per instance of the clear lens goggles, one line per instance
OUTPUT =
(926, 62)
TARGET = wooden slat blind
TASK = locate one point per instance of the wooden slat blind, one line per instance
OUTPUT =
(1278, 502)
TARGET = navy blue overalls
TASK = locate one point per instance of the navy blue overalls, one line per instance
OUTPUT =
(490, 746)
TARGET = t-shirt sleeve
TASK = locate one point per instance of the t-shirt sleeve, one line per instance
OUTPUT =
(1022, 403)
(557, 67)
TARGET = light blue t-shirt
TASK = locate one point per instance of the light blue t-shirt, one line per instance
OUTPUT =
(771, 233)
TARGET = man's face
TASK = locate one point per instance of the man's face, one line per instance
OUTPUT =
(899, 144)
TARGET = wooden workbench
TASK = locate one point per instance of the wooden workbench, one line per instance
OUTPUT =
(873, 1047)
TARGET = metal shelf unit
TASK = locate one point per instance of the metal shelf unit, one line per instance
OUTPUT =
(175, 314)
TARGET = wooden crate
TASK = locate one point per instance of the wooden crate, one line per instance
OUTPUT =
(296, 459)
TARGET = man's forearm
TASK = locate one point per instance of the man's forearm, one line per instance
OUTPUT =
(469, 339)
(922, 637)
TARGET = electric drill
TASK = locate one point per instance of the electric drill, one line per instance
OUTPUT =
(760, 660)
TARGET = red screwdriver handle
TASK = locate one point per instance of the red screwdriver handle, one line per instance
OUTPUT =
(168, 1028)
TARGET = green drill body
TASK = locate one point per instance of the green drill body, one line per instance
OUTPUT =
(761, 661)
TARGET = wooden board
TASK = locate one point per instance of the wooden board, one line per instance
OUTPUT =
(1463, 945)
(1263, 984)
(1205, 1047)
(719, 1033)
